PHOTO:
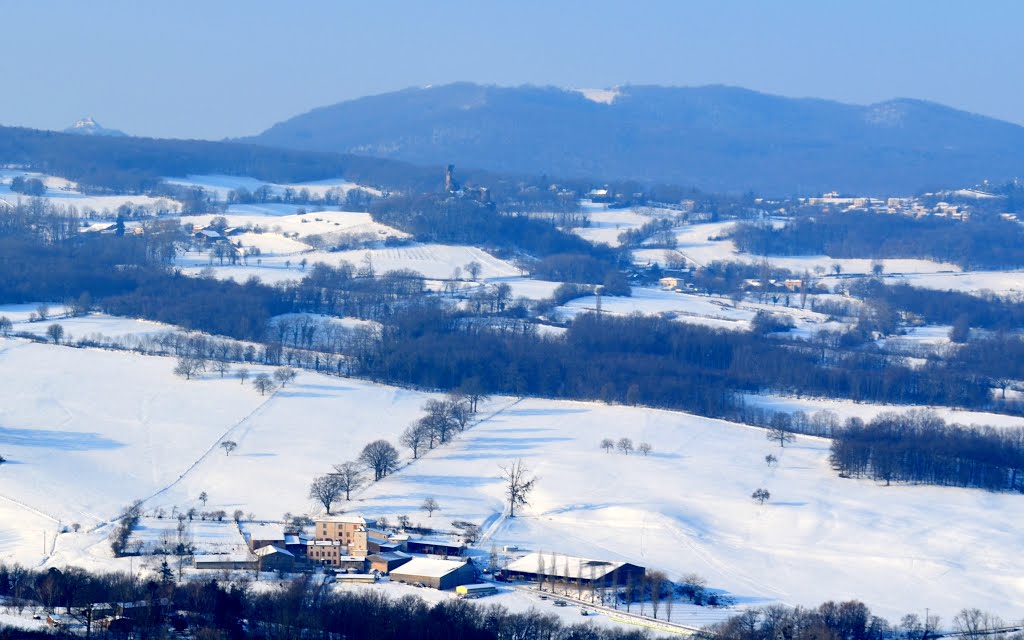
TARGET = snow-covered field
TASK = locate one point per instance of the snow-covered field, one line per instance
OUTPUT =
(64, 193)
(88, 431)
(699, 244)
(606, 224)
(999, 282)
(295, 227)
(866, 411)
(714, 311)
(433, 261)
(93, 430)
(221, 185)
(94, 326)
(687, 508)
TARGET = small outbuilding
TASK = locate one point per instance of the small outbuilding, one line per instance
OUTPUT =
(435, 547)
(435, 573)
(264, 535)
(221, 561)
(388, 561)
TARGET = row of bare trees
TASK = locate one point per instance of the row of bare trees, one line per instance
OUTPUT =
(625, 445)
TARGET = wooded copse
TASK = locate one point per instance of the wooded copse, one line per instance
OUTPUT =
(920, 447)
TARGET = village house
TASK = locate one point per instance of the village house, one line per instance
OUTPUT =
(344, 535)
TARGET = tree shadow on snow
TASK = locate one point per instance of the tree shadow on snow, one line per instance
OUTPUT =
(455, 481)
(542, 412)
(62, 440)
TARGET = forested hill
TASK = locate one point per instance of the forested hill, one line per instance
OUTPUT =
(715, 138)
(132, 164)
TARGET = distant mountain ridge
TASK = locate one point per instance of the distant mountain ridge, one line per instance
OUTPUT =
(714, 137)
(88, 127)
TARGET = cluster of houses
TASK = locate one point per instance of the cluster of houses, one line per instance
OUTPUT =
(360, 551)
(354, 547)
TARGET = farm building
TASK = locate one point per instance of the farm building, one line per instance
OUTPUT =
(296, 543)
(355, 578)
(224, 561)
(434, 547)
(563, 568)
(274, 558)
(435, 573)
(386, 562)
(263, 535)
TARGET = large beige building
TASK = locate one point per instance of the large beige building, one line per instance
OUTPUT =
(340, 536)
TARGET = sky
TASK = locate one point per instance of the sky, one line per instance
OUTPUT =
(223, 68)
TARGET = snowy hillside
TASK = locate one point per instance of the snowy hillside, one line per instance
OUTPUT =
(64, 193)
(88, 431)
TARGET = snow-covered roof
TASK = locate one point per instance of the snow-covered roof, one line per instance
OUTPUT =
(563, 566)
(271, 549)
(264, 531)
(428, 568)
(223, 557)
(345, 518)
(390, 555)
(441, 542)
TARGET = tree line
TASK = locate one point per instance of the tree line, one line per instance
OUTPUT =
(852, 620)
(982, 242)
(919, 447)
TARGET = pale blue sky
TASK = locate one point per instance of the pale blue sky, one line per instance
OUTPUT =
(211, 69)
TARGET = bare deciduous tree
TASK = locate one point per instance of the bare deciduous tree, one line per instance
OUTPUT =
(189, 366)
(608, 445)
(284, 375)
(221, 367)
(625, 445)
(414, 437)
(430, 506)
(770, 460)
(228, 446)
(380, 456)
(325, 490)
(518, 485)
(55, 332)
(243, 375)
(780, 434)
(761, 495)
(350, 477)
(656, 581)
(203, 497)
(644, 448)
(263, 383)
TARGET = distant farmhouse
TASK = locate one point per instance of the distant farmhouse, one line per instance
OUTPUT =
(352, 544)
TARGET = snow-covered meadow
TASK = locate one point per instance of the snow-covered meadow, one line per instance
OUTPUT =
(89, 431)
(222, 185)
(65, 193)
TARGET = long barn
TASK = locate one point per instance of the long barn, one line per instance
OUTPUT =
(564, 568)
